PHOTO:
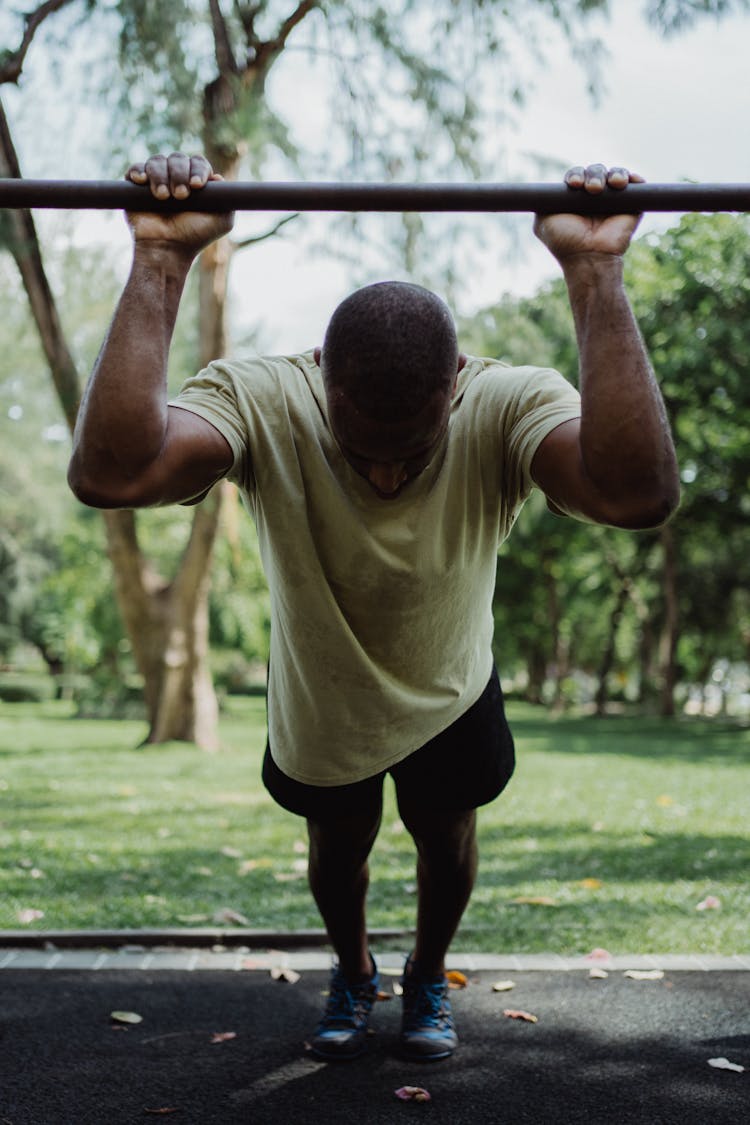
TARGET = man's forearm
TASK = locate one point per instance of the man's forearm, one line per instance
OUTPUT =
(626, 443)
(123, 417)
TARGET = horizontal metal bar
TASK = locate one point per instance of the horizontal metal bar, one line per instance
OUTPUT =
(282, 196)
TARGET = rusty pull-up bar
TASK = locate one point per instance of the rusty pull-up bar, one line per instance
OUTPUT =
(282, 196)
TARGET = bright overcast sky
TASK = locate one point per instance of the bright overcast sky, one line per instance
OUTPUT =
(672, 109)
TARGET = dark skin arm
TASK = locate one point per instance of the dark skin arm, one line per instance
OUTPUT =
(129, 448)
(616, 464)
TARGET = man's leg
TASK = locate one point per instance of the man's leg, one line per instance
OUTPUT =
(446, 872)
(339, 877)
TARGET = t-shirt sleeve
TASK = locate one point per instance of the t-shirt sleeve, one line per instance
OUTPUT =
(213, 394)
(541, 400)
(520, 407)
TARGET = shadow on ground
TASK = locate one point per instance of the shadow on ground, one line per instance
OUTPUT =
(614, 1051)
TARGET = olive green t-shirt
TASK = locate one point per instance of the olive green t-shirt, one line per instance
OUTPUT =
(381, 610)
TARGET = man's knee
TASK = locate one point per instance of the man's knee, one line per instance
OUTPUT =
(343, 841)
(449, 837)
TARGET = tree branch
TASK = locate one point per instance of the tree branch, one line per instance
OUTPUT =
(11, 62)
(225, 60)
(272, 48)
(243, 243)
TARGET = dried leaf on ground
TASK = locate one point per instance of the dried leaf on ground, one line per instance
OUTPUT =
(534, 900)
(456, 979)
(413, 1094)
(503, 985)
(644, 974)
(590, 884)
(228, 917)
(598, 974)
(231, 853)
(384, 995)
(598, 954)
(126, 1017)
(223, 1036)
(519, 1014)
(710, 902)
(725, 1064)
(29, 915)
(283, 973)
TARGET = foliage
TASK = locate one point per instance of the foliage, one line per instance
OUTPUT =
(690, 288)
(654, 813)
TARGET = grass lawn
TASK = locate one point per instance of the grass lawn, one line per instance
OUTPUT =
(620, 826)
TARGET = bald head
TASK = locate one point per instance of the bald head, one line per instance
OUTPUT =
(389, 347)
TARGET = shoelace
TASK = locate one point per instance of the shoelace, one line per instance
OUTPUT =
(431, 1006)
(346, 1005)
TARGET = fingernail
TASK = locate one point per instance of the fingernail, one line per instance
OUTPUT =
(162, 192)
(195, 181)
(181, 191)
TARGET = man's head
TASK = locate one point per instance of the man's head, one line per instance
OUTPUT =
(389, 362)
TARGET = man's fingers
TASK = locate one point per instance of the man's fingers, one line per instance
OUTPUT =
(575, 177)
(595, 178)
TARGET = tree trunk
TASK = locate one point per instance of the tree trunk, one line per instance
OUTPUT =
(608, 655)
(670, 628)
(166, 622)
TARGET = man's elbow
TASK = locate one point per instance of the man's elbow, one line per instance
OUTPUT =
(648, 510)
(96, 491)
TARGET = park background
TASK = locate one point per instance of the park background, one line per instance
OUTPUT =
(133, 648)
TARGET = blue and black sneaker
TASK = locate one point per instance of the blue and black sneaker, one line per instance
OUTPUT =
(427, 1029)
(342, 1032)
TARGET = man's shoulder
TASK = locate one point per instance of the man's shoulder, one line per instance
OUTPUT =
(484, 376)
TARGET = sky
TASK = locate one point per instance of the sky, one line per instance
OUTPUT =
(671, 109)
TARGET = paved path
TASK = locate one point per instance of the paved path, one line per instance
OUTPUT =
(614, 1051)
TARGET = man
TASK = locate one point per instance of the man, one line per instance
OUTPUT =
(382, 470)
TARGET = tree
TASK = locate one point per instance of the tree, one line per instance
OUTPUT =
(680, 593)
(198, 70)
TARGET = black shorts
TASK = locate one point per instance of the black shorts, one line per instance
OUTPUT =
(463, 767)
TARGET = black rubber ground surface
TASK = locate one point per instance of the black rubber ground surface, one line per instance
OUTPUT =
(610, 1052)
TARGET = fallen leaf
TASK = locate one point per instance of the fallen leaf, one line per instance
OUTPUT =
(456, 979)
(249, 865)
(710, 902)
(231, 853)
(384, 996)
(598, 974)
(126, 1017)
(598, 954)
(413, 1094)
(192, 919)
(590, 884)
(230, 917)
(29, 915)
(279, 972)
(534, 900)
(519, 1014)
(503, 985)
(644, 974)
(223, 1036)
(725, 1064)
(664, 801)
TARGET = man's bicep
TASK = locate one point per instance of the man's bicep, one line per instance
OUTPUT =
(195, 456)
(558, 470)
